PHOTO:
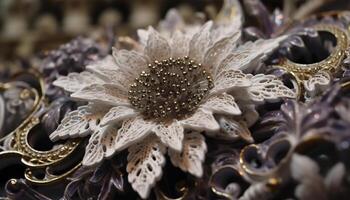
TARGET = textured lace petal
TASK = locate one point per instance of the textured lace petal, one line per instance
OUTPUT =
(201, 120)
(80, 122)
(117, 114)
(223, 104)
(130, 62)
(200, 42)
(317, 81)
(133, 130)
(229, 80)
(100, 145)
(249, 113)
(268, 87)
(172, 21)
(108, 70)
(179, 45)
(143, 36)
(145, 162)
(73, 125)
(93, 153)
(170, 135)
(232, 130)
(249, 54)
(76, 81)
(220, 50)
(192, 155)
(104, 94)
(157, 47)
(229, 20)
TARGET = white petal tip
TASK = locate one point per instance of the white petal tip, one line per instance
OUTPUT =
(143, 192)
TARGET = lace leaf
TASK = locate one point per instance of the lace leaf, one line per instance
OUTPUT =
(145, 162)
(133, 130)
(117, 114)
(100, 145)
(192, 155)
(73, 125)
(170, 135)
(223, 104)
(77, 81)
(268, 87)
(201, 120)
(229, 80)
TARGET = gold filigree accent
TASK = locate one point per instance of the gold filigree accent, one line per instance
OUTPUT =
(30, 157)
(35, 158)
(270, 174)
(331, 64)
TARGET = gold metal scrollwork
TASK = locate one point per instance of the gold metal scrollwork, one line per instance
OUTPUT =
(30, 157)
(331, 64)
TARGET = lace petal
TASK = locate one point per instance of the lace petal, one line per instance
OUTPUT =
(200, 42)
(104, 94)
(232, 130)
(249, 54)
(172, 21)
(192, 155)
(100, 145)
(133, 130)
(130, 62)
(157, 47)
(223, 104)
(249, 114)
(229, 20)
(93, 153)
(201, 120)
(317, 82)
(76, 81)
(179, 45)
(117, 114)
(229, 80)
(74, 124)
(108, 70)
(218, 51)
(171, 135)
(268, 87)
(143, 36)
(145, 162)
(80, 122)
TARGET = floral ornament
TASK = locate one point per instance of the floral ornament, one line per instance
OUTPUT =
(100, 182)
(16, 102)
(315, 77)
(70, 57)
(162, 98)
(298, 130)
(312, 184)
(315, 64)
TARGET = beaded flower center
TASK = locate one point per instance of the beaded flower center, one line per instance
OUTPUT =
(170, 89)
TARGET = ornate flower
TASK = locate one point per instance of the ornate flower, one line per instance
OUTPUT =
(165, 96)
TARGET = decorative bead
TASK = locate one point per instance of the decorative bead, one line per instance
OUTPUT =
(172, 88)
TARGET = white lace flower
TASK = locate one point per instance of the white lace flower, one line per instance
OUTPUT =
(162, 98)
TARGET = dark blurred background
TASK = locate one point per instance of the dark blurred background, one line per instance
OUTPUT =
(29, 27)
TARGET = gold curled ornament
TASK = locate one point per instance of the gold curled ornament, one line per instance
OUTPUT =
(30, 157)
(331, 64)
